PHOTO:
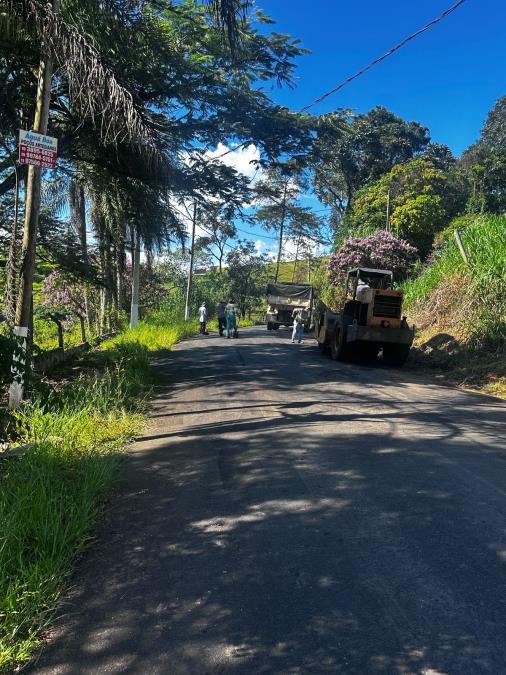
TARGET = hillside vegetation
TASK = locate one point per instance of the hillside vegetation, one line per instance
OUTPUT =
(460, 309)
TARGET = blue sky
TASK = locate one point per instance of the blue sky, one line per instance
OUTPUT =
(447, 79)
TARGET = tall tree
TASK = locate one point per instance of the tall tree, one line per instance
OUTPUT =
(353, 150)
(247, 275)
(279, 211)
(218, 226)
(415, 200)
(485, 163)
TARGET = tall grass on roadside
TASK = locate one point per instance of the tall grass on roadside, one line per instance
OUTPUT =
(154, 335)
(50, 495)
(485, 241)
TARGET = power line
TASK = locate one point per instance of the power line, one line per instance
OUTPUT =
(382, 58)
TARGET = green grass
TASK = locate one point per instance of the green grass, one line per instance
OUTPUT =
(484, 281)
(154, 335)
(485, 241)
(51, 495)
(466, 302)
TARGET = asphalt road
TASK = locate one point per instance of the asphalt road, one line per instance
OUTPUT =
(288, 514)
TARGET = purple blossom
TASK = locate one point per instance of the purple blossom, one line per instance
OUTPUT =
(63, 294)
(381, 250)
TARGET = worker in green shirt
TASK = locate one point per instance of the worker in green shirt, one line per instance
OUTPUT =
(231, 319)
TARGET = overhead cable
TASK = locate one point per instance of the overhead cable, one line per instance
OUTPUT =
(385, 56)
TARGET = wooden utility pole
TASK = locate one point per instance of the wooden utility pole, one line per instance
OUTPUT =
(32, 208)
(190, 271)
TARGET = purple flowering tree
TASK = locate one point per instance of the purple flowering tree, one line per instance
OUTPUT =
(381, 251)
(63, 294)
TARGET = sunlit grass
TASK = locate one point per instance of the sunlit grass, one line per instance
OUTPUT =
(483, 281)
(468, 302)
(50, 495)
(154, 335)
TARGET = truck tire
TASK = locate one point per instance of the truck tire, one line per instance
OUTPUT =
(395, 354)
(275, 326)
(269, 325)
(339, 350)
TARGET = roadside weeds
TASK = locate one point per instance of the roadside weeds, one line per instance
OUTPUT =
(51, 495)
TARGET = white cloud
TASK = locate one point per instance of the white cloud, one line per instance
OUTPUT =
(241, 159)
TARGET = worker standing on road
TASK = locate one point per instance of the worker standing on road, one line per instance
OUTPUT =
(231, 319)
(220, 313)
(298, 324)
(203, 318)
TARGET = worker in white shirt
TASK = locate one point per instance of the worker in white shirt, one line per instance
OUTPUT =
(203, 318)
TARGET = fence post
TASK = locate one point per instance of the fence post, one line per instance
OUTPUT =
(462, 249)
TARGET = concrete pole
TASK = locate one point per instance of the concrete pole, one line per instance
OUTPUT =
(190, 271)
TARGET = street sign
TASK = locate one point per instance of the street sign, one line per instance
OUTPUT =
(37, 149)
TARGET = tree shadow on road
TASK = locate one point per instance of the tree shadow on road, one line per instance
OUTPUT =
(307, 532)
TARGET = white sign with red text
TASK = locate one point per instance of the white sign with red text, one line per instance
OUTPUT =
(37, 149)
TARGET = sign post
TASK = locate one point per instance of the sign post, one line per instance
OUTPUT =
(37, 149)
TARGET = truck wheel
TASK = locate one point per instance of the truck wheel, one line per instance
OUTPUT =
(269, 325)
(395, 354)
(339, 350)
(275, 326)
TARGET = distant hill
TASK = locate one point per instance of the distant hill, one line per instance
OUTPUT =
(288, 272)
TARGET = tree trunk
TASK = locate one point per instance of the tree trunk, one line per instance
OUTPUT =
(136, 261)
(281, 228)
(12, 265)
(83, 328)
(59, 327)
(120, 271)
(32, 208)
(296, 258)
(149, 260)
(190, 271)
(78, 209)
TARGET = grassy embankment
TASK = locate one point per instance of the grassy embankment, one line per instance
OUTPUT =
(460, 310)
(51, 495)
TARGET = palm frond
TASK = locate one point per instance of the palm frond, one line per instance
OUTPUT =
(93, 88)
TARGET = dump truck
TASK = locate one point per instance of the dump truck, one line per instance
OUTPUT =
(282, 299)
(370, 320)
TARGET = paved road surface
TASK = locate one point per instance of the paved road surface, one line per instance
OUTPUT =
(288, 514)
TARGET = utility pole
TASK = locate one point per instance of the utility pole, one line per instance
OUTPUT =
(32, 208)
(136, 264)
(388, 211)
(190, 271)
